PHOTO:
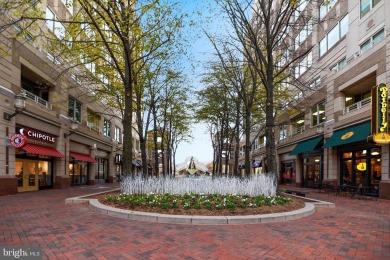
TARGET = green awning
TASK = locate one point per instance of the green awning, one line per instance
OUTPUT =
(348, 135)
(306, 146)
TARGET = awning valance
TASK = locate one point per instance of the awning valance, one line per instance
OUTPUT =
(348, 135)
(306, 146)
(82, 157)
(256, 164)
(43, 150)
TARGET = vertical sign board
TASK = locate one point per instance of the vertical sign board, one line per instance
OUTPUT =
(379, 117)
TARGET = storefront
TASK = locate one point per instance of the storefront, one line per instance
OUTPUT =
(311, 174)
(257, 166)
(360, 165)
(312, 169)
(360, 162)
(288, 172)
(101, 166)
(79, 168)
(34, 162)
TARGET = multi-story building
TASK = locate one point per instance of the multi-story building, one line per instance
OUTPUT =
(63, 136)
(325, 138)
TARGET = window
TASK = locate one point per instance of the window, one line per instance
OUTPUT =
(74, 110)
(372, 41)
(282, 131)
(303, 34)
(107, 128)
(93, 120)
(256, 144)
(298, 124)
(333, 36)
(367, 5)
(339, 65)
(117, 134)
(325, 7)
(301, 5)
(303, 65)
(315, 84)
(68, 4)
(318, 114)
(56, 27)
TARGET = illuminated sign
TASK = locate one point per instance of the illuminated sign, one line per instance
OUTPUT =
(379, 117)
(18, 140)
(33, 134)
(361, 166)
(347, 135)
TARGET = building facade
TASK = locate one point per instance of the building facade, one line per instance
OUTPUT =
(64, 136)
(325, 139)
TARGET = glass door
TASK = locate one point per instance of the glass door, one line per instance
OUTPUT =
(27, 173)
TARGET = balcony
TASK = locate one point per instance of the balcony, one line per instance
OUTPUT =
(37, 99)
(359, 105)
(93, 127)
(298, 130)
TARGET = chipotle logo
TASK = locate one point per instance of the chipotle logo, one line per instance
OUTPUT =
(29, 133)
(18, 140)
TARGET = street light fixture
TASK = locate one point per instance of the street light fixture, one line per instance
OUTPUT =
(73, 127)
(20, 105)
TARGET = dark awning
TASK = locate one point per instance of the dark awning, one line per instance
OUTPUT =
(306, 146)
(43, 150)
(348, 135)
(82, 157)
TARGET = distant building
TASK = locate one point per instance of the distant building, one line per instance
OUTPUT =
(189, 163)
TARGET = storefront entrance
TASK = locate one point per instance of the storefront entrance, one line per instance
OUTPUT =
(32, 174)
(78, 173)
(312, 171)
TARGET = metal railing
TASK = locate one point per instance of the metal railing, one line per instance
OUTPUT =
(357, 106)
(298, 130)
(93, 127)
(37, 99)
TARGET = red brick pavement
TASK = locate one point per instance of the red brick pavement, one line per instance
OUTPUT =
(355, 229)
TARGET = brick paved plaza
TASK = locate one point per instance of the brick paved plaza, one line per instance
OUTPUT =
(354, 229)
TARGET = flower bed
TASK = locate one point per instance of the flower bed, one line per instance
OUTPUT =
(202, 204)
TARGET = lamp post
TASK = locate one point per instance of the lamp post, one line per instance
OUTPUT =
(73, 127)
(20, 105)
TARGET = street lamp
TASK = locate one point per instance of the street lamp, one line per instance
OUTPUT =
(20, 105)
(73, 127)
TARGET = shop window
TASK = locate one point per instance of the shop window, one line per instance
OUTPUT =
(361, 167)
(74, 110)
(101, 170)
(366, 6)
(318, 114)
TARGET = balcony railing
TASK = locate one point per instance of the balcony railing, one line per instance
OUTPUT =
(357, 106)
(93, 127)
(298, 130)
(37, 99)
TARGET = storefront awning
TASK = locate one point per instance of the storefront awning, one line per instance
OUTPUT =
(43, 150)
(82, 157)
(348, 135)
(306, 146)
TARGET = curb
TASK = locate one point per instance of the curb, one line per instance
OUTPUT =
(96, 206)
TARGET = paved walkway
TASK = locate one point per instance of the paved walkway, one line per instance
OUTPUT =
(355, 229)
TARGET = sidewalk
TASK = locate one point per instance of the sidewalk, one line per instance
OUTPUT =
(354, 229)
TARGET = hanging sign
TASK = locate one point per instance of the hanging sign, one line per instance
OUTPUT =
(379, 117)
(18, 140)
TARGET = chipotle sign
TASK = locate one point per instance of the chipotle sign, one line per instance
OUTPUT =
(33, 134)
